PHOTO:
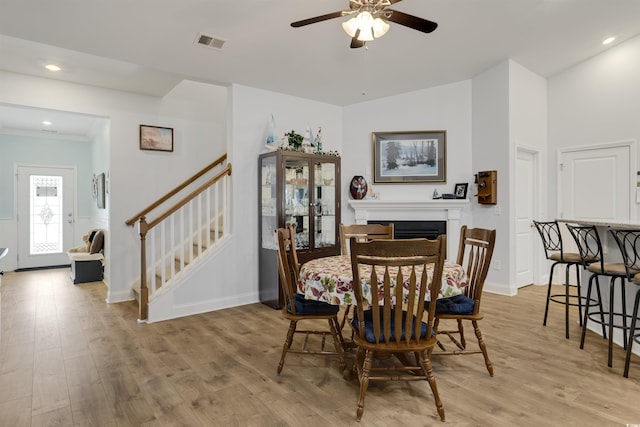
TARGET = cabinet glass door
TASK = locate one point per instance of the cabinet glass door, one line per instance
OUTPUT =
(324, 204)
(296, 194)
(269, 206)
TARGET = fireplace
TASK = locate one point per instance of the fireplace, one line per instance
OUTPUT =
(410, 229)
(425, 211)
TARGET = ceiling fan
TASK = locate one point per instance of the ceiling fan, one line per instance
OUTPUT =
(370, 20)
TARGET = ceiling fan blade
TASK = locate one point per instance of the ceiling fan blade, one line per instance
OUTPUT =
(318, 19)
(394, 1)
(355, 43)
(411, 21)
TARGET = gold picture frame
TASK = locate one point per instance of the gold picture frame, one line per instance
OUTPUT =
(409, 156)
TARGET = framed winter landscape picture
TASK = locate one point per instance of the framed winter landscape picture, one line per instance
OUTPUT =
(409, 157)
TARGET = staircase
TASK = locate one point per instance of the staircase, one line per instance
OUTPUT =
(190, 221)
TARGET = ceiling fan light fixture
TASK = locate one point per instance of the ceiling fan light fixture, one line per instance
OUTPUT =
(379, 27)
(366, 35)
(350, 27)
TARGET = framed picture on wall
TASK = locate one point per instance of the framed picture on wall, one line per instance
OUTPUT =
(409, 157)
(156, 138)
(100, 191)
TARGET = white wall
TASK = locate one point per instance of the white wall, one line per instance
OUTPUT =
(597, 101)
(446, 107)
(509, 111)
(490, 151)
(196, 112)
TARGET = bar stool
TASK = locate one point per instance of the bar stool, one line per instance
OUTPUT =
(589, 244)
(628, 241)
(552, 243)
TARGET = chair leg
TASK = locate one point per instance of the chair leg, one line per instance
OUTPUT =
(345, 317)
(426, 365)
(632, 332)
(287, 344)
(483, 347)
(334, 327)
(463, 342)
(363, 377)
(436, 322)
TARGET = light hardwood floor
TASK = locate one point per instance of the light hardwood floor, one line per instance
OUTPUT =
(67, 358)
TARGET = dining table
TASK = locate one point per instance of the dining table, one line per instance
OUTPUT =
(330, 279)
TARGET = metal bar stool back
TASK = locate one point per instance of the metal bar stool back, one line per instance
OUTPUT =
(616, 272)
(552, 242)
(628, 241)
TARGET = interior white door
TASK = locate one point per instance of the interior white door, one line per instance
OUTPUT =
(526, 197)
(595, 184)
(46, 200)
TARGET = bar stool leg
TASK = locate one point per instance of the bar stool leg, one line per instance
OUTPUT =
(604, 330)
(624, 314)
(586, 310)
(566, 301)
(546, 307)
(579, 294)
(611, 317)
(632, 332)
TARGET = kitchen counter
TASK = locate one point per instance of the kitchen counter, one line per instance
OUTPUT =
(621, 223)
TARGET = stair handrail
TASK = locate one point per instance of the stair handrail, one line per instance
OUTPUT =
(131, 221)
(186, 199)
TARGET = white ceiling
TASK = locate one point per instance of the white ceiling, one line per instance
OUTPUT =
(147, 46)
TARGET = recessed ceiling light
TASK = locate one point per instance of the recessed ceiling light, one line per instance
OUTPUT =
(46, 123)
(52, 67)
(608, 40)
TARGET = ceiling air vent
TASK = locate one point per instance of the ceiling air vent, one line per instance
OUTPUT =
(209, 41)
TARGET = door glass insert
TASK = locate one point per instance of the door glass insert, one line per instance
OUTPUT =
(45, 214)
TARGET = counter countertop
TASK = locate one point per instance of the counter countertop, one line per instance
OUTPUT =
(622, 223)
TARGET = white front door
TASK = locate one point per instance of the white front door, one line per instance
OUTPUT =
(595, 183)
(46, 200)
(526, 197)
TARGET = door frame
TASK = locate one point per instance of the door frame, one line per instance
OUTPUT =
(538, 184)
(633, 167)
(74, 171)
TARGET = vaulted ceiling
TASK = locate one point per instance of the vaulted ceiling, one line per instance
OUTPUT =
(147, 46)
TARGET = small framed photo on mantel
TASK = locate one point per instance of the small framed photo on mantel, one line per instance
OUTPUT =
(156, 138)
(461, 191)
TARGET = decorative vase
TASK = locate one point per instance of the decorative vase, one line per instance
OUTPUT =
(358, 187)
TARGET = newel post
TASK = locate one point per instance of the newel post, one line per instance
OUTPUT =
(144, 290)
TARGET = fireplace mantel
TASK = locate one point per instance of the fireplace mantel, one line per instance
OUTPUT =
(448, 210)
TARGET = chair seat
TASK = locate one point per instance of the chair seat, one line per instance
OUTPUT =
(610, 269)
(369, 333)
(566, 257)
(312, 307)
(458, 304)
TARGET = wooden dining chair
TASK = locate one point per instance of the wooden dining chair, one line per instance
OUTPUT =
(387, 319)
(361, 233)
(297, 308)
(474, 255)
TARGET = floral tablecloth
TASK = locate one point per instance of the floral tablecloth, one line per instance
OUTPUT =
(330, 279)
